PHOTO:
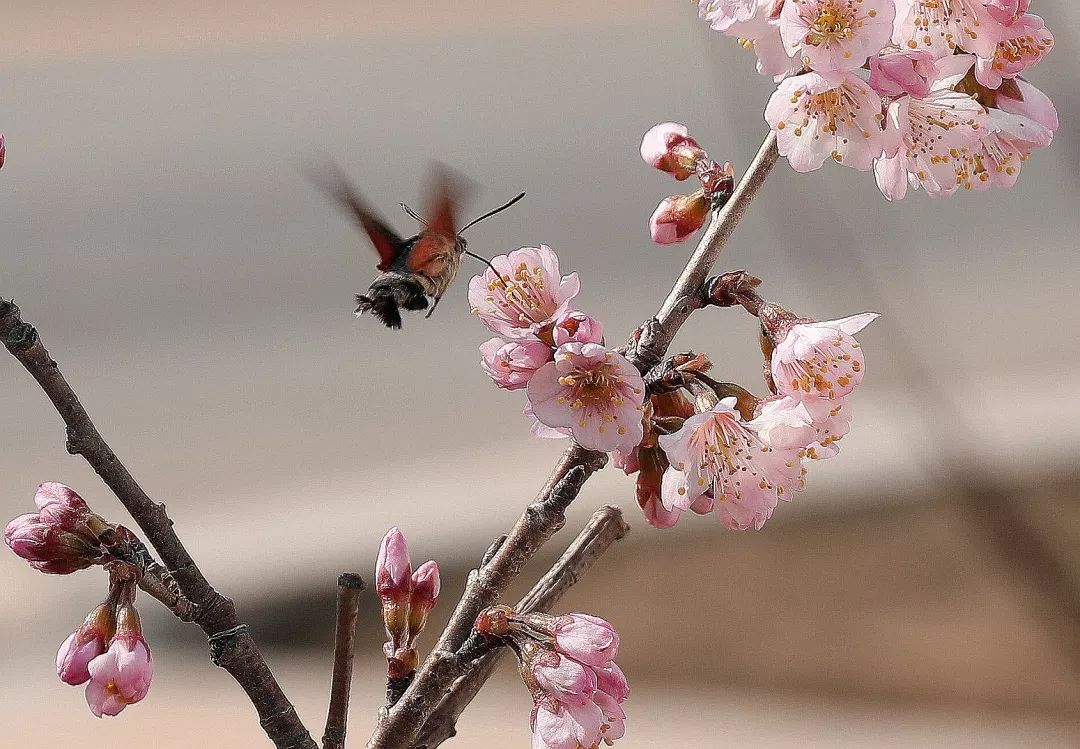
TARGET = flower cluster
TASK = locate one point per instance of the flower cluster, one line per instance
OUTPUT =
(669, 148)
(575, 385)
(927, 93)
(567, 663)
(407, 598)
(107, 652)
(713, 447)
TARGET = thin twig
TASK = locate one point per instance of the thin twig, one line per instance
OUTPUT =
(348, 606)
(399, 728)
(231, 645)
(604, 529)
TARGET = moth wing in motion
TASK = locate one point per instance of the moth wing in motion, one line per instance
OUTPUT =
(386, 241)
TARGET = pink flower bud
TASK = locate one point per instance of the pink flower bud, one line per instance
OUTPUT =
(50, 549)
(586, 638)
(425, 595)
(61, 506)
(3, 150)
(677, 217)
(510, 364)
(577, 327)
(899, 73)
(393, 570)
(393, 583)
(84, 644)
(121, 676)
(669, 148)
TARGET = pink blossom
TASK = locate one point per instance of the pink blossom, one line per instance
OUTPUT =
(818, 117)
(902, 72)
(541, 430)
(121, 676)
(717, 455)
(723, 14)
(1000, 151)
(669, 148)
(677, 217)
(829, 421)
(756, 24)
(836, 35)
(1022, 98)
(611, 680)
(587, 639)
(557, 725)
(594, 392)
(784, 423)
(929, 142)
(393, 569)
(613, 728)
(511, 364)
(941, 27)
(561, 678)
(84, 644)
(1007, 12)
(821, 359)
(1020, 46)
(577, 327)
(528, 293)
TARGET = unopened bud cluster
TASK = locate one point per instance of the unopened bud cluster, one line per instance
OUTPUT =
(568, 664)
(107, 652)
(407, 598)
(62, 536)
(670, 148)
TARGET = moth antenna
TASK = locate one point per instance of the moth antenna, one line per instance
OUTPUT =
(412, 213)
(491, 213)
(484, 260)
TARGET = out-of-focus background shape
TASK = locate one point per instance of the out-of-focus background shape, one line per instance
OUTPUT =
(157, 227)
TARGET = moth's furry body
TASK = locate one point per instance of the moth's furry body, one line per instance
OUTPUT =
(400, 287)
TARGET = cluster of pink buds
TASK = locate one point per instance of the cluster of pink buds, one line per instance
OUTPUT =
(575, 385)
(568, 664)
(62, 536)
(669, 147)
(107, 652)
(927, 94)
(407, 598)
(713, 447)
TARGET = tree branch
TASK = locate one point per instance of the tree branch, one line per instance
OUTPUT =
(231, 646)
(348, 606)
(604, 529)
(399, 728)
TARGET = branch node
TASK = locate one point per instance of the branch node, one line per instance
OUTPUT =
(221, 642)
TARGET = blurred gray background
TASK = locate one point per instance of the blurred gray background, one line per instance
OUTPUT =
(197, 291)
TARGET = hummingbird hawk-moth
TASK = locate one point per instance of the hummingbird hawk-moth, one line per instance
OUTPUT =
(417, 271)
